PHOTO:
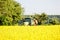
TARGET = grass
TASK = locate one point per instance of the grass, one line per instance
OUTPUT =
(30, 32)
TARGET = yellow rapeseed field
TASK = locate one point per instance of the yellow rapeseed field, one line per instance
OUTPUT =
(30, 32)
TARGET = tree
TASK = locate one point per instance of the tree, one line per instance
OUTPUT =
(54, 21)
(42, 19)
(10, 12)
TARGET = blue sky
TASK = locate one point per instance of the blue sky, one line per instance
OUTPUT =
(50, 7)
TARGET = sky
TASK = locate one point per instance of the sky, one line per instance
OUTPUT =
(50, 7)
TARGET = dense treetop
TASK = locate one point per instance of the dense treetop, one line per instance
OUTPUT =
(10, 12)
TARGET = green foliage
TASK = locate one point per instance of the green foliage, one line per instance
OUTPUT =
(10, 12)
(41, 18)
(55, 21)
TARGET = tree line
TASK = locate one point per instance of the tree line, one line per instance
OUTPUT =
(43, 19)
